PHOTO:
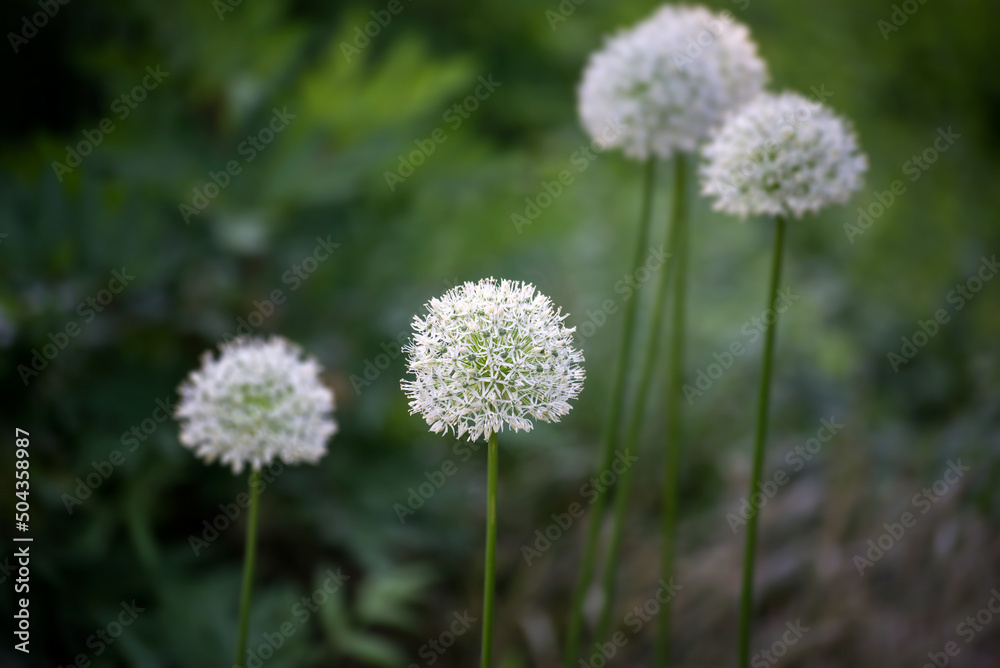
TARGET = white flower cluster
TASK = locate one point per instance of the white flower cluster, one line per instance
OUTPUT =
(257, 401)
(782, 155)
(664, 84)
(489, 354)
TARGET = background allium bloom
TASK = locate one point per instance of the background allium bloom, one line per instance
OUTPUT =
(488, 354)
(257, 401)
(664, 84)
(782, 155)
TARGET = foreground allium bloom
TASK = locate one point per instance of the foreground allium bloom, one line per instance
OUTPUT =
(782, 155)
(489, 354)
(257, 401)
(662, 85)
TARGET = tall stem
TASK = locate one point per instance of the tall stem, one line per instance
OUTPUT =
(610, 433)
(763, 404)
(489, 584)
(675, 377)
(249, 557)
(674, 227)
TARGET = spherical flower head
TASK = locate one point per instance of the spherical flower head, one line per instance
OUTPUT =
(782, 155)
(664, 84)
(258, 400)
(491, 354)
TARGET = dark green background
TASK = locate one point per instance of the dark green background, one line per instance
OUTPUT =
(323, 176)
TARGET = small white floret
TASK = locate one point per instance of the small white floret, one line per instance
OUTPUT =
(490, 355)
(259, 400)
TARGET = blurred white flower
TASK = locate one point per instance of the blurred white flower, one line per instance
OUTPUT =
(490, 354)
(257, 401)
(782, 155)
(664, 84)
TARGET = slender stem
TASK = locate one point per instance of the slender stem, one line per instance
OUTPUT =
(489, 584)
(675, 377)
(623, 488)
(763, 404)
(610, 434)
(249, 557)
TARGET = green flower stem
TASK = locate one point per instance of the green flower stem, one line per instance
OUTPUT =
(489, 584)
(250, 555)
(674, 228)
(610, 434)
(763, 403)
(671, 463)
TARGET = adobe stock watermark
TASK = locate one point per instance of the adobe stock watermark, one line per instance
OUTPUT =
(627, 287)
(753, 329)
(635, 620)
(230, 512)
(923, 501)
(706, 37)
(795, 459)
(293, 277)
(967, 630)
(374, 366)
(563, 522)
(433, 481)
(363, 37)
(86, 486)
(121, 107)
(432, 650)
(563, 11)
(914, 168)
(779, 648)
(101, 639)
(392, 349)
(223, 7)
(750, 165)
(549, 191)
(898, 17)
(87, 310)
(455, 116)
(249, 149)
(31, 25)
(958, 297)
(301, 612)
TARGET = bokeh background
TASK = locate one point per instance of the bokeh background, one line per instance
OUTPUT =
(229, 65)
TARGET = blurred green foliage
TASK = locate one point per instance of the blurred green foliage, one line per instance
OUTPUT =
(323, 177)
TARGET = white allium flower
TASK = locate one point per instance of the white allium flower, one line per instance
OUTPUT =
(257, 401)
(490, 354)
(782, 155)
(664, 84)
